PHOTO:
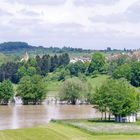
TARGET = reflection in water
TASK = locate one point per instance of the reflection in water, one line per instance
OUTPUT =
(12, 117)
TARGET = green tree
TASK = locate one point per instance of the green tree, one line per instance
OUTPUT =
(26, 71)
(46, 64)
(8, 71)
(123, 71)
(64, 59)
(32, 89)
(97, 63)
(77, 68)
(54, 63)
(74, 89)
(135, 80)
(117, 62)
(6, 91)
(116, 97)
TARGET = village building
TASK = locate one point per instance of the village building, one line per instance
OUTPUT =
(129, 119)
(83, 59)
(25, 58)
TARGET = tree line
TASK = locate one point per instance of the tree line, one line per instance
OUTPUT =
(14, 71)
(117, 96)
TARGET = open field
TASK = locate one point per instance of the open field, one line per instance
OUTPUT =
(56, 131)
(97, 81)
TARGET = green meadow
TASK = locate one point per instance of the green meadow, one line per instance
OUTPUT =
(56, 131)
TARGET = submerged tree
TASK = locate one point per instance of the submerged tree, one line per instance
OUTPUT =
(6, 92)
(32, 89)
(74, 89)
(116, 97)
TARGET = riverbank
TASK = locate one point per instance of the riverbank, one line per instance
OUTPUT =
(57, 131)
(98, 127)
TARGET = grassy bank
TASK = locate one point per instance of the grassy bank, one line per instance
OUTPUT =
(106, 128)
(57, 131)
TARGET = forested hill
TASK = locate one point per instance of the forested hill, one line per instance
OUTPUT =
(21, 47)
(11, 46)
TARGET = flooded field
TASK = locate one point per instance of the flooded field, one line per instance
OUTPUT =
(19, 116)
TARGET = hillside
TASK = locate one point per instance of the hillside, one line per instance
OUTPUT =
(19, 48)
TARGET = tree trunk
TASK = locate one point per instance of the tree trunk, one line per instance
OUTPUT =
(109, 116)
(102, 116)
(73, 102)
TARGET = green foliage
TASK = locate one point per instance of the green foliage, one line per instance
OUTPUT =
(8, 71)
(48, 63)
(122, 60)
(19, 48)
(116, 97)
(129, 71)
(64, 59)
(74, 89)
(97, 63)
(115, 63)
(6, 91)
(77, 68)
(26, 71)
(135, 80)
(123, 71)
(32, 89)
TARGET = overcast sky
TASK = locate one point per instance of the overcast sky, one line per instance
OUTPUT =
(94, 24)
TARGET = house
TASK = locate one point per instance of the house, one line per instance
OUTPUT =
(83, 59)
(130, 118)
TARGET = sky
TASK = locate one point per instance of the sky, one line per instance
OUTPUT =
(88, 24)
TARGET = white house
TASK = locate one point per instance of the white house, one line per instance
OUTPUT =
(130, 118)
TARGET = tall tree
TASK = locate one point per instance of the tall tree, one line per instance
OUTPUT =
(77, 68)
(97, 63)
(116, 97)
(74, 89)
(123, 71)
(8, 71)
(6, 91)
(135, 80)
(46, 64)
(32, 89)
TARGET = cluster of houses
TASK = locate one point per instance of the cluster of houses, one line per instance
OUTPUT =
(135, 55)
(83, 59)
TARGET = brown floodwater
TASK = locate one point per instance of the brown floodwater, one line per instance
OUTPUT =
(19, 116)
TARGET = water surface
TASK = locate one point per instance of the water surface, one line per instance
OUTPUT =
(19, 116)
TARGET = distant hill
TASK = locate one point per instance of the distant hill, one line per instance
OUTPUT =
(20, 48)
(10, 46)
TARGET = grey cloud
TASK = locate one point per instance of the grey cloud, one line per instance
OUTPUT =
(133, 12)
(130, 15)
(94, 2)
(28, 13)
(5, 13)
(69, 26)
(46, 36)
(39, 2)
(24, 22)
(114, 18)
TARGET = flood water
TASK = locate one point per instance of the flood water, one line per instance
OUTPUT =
(19, 116)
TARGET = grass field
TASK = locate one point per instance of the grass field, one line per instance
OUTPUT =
(98, 127)
(97, 81)
(56, 131)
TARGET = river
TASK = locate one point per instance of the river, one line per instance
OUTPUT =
(19, 116)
